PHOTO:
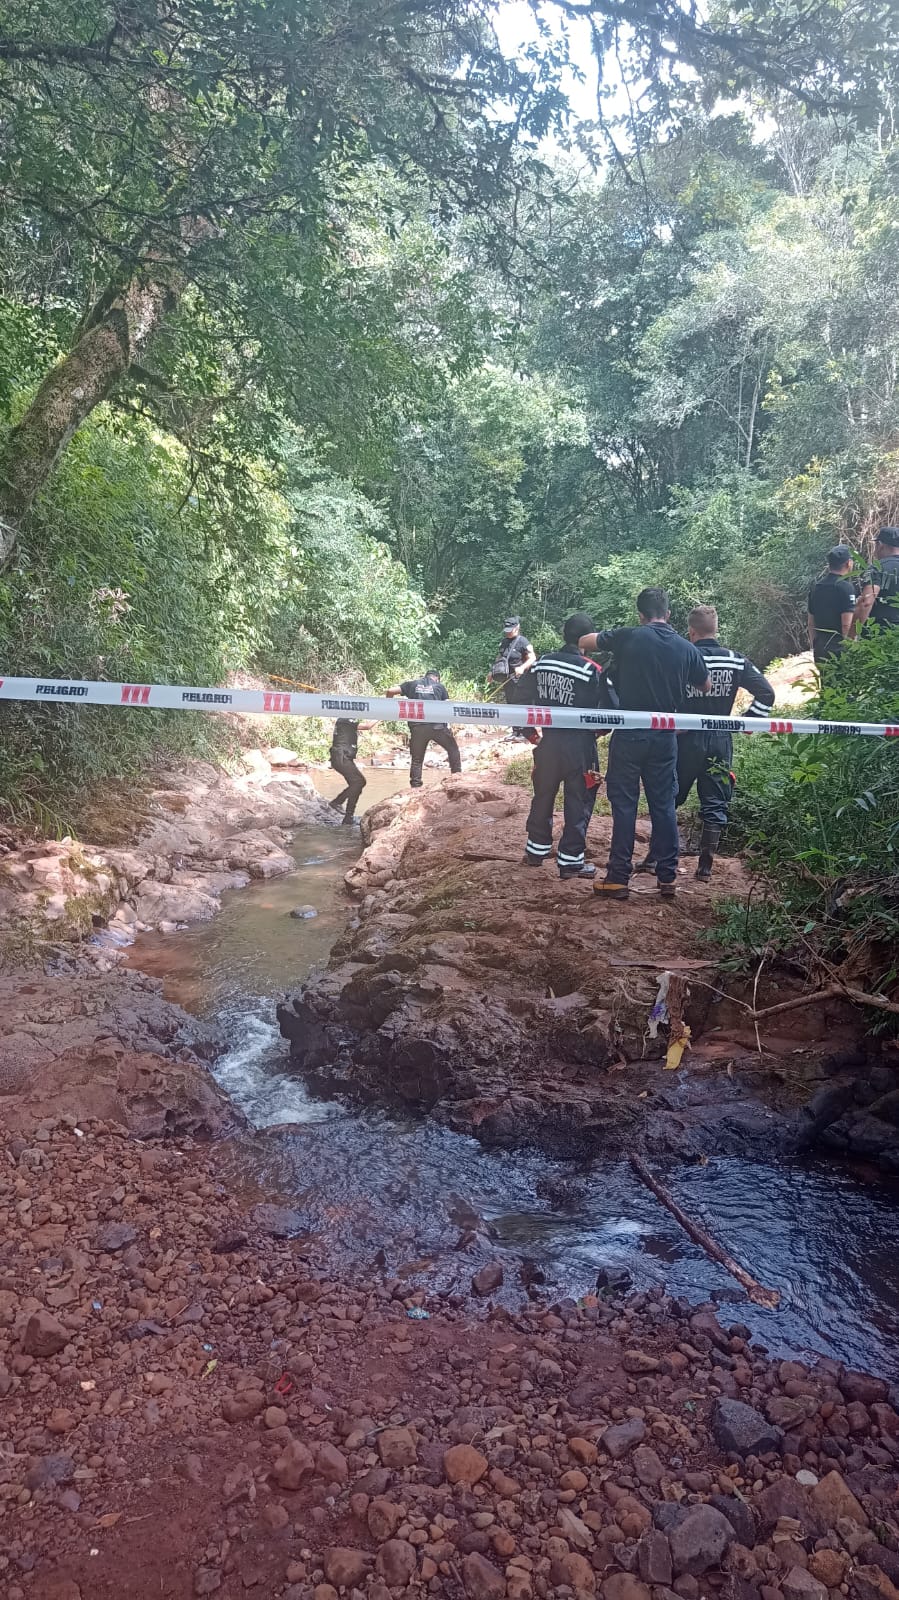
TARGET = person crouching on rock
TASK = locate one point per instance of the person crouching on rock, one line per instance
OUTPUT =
(564, 757)
(427, 687)
(344, 745)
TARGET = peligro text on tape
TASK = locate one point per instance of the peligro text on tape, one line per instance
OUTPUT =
(269, 703)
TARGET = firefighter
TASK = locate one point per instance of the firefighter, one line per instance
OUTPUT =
(427, 687)
(564, 757)
(704, 758)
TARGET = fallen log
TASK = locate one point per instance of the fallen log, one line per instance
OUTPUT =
(758, 1294)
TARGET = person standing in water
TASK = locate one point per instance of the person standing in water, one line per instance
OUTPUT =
(344, 746)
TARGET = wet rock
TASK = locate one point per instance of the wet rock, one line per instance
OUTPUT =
(832, 1498)
(654, 1557)
(463, 1464)
(397, 1563)
(47, 1471)
(614, 1280)
(859, 1386)
(700, 1540)
(279, 1222)
(43, 1335)
(740, 1428)
(487, 1279)
(304, 913)
(345, 1567)
(481, 1579)
(622, 1436)
(397, 1448)
(293, 1465)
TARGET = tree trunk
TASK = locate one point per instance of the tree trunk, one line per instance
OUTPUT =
(109, 340)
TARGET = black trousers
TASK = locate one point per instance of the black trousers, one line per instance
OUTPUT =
(342, 762)
(704, 759)
(562, 758)
(419, 739)
(638, 755)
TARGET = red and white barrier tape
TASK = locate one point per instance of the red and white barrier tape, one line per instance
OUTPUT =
(270, 703)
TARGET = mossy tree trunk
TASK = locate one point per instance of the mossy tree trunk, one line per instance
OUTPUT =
(109, 340)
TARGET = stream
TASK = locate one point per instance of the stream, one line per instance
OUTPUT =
(431, 1206)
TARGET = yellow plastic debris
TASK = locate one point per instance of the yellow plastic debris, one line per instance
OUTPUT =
(676, 1049)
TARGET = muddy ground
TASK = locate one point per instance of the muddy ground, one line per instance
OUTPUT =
(515, 1007)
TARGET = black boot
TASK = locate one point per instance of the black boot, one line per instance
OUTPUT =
(708, 845)
(586, 871)
(648, 864)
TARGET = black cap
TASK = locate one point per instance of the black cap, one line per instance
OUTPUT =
(889, 536)
(576, 626)
(432, 673)
(839, 555)
(511, 622)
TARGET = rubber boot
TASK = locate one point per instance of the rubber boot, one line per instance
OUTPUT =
(708, 846)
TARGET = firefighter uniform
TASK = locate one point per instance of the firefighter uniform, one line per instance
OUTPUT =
(704, 758)
(564, 757)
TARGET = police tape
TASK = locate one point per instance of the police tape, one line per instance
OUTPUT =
(280, 703)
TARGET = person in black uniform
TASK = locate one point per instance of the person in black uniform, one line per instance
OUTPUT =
(564, 756)
(704, 758)
(516, 654)
(879, 597)
(652, 669)
(427, 687)
(831, 606)
(344, 744)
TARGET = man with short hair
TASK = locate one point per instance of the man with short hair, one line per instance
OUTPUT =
(831, 606)
(704, 756)
(652, 669)
(879, 597)
(427, 687)
(515, 655)
(564, 756)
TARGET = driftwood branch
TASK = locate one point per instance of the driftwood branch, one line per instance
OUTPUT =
(834, 991)
(758, 1294)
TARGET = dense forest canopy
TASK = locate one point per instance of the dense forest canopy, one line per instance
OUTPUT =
(329, 333)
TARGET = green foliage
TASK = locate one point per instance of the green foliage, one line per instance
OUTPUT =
(820, 815)
(127, 574)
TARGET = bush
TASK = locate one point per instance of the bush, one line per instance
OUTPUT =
(818, 815)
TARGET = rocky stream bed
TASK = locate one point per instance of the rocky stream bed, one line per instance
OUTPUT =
(194, 1401)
